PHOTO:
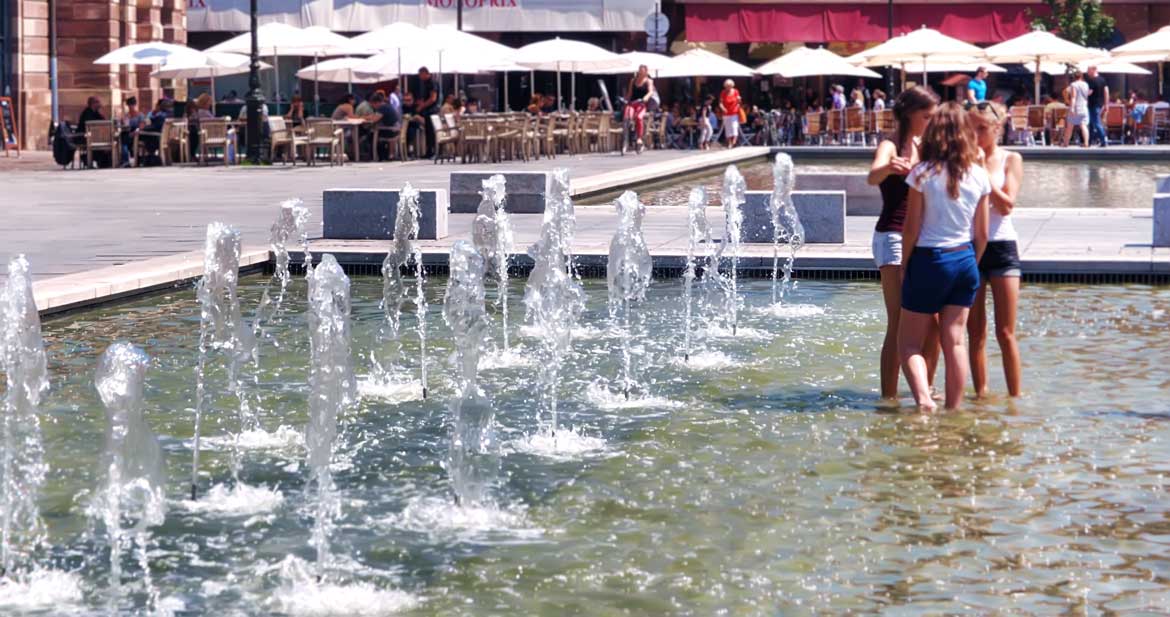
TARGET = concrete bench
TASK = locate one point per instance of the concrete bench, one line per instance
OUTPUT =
(1162, 218)
(821, 212)
(864, 200)
(1162, 184)
(369, 214)
(525, 190)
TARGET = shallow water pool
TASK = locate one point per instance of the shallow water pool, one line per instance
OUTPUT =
(760, 478)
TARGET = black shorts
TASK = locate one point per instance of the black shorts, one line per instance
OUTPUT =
(1002, 258)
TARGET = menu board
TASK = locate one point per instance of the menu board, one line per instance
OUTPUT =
(8, 134)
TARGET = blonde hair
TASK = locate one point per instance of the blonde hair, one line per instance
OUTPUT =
(729, 83)
(991, 112)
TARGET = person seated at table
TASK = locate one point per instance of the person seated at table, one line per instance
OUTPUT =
(879, 100)
(534, 104)
(203, 107)
(593, 104)
(448, 106)
(472, 106)
(385, 116)
(457, 108)
(344, 109)
(91, 113)
(164, 110)
(131, 120)
(1135, 97)
(548, 104)
(858, 100)
(263, 114)
(232, 98)
(415, 123)
(295, 116)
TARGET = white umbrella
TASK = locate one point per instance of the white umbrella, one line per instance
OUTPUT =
(702, 63)
(918, 48)
(1154, 47)
(147, 53)
(1106, 67)
(810, 62)
(1037, 47)
(206, 65)
(563, 54)
(276, 38)
(634, 59)
(339, 71)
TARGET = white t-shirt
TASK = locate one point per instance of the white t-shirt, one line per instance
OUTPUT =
(947, 222)
(1080, 98)
(1000, 227)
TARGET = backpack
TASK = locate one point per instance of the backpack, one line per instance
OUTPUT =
(64, 144)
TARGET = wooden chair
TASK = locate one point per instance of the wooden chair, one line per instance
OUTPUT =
(322, 136)
(1056, 121)
(1147, 127)
(475, 142)
(282, 137)
(1115, 122)
(813, 130)
(445, 139)
(147, 143)
(1161, 124)
(1018, 126)
(179, 139)
(836, 124)
(102, 136)
(216, 135)
(1036, 124)
(884, 124)
(854, 124)
(395, 140)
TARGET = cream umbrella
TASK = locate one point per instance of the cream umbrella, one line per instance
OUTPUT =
(634, 59)
(206, 65)
(1154, 47)
(155, 53)
(918, 48)
(813, 62)
(702, 63)
(1037, 47)
(564, 54)
(338, 71)
(397, 37)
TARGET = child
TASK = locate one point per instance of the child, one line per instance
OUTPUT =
(945, 209)
(706, 129)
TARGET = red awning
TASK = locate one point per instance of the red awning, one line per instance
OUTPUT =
(811, 23)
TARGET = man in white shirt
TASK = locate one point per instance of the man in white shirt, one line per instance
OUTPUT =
(1078, 112)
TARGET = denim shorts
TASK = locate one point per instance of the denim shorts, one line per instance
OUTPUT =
(938, 277)
(887, 248)
(1001, 258)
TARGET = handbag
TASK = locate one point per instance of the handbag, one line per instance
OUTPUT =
(742, 116)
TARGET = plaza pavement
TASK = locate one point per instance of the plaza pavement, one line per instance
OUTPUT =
(97, 235)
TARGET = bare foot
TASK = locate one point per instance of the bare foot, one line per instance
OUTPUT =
(927, 406)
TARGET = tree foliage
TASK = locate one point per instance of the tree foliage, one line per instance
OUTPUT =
(1081, 21)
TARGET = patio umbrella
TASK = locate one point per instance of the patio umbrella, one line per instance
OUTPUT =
(1106, 67)
(396, 37)
(155, 53)
(1037, 47)
(563, 54)
(918, 48)
(635, 59)
(206, 65)
(813, 62)
(1154, 47)
(277, 38)
(338, 71)
(702, 63)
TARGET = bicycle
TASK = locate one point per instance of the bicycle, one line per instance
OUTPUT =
(629, 129)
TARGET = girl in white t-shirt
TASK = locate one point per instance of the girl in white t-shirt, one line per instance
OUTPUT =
(1000, 265)
(945, 210)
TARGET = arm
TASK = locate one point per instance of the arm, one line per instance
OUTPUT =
(971, 96)
(649, 90)
(912, 226)
(1004, 200)
(882, 159)
(981, 222)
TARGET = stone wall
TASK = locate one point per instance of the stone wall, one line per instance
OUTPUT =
(86, 29)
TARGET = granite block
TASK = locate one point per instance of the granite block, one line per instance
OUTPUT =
(1162, 219)
(525, 190)
(1162, 183)
(369, 214)
(821, 212)
(862, 199)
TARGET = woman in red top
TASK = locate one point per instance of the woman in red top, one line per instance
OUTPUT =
(729, 102)
(639, 92)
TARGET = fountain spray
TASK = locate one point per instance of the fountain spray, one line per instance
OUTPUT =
(553, 298)
(288, 226)
(492, 234)
(628, 273)
(733, 195)
(404, 250)
(221, 328)
(22, 461)
(786, 225)
(332, 390)
(134, 496)
(700, 233)
(470, 461)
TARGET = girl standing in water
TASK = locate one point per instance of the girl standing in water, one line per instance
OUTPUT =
(891, 164)
(1000, 266)
(945, 209)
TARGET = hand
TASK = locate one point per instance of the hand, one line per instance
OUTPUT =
(899, 166)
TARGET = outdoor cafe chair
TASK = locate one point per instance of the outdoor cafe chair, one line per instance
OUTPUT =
(475, 141)
(216, 135)
(102, 136)
(1017, 122)
(281, 137)
(813, 128)
(1056, 121)
(1145, 129)
(395, 139)
(446, 140)
(323, 136)
(854, 124)
(1036, 125)
(1161, 124)
(1115, 122)
(147, 142)
(884, 124)
(660, 141)
(179, 139)
(548, 135)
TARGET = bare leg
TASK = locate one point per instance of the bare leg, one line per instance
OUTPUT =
(912, 329)
(1068, 129)
(1084, 136)
(952, 322)
(892, 294)
(977, 339)
(1006, 291)
(930, 350)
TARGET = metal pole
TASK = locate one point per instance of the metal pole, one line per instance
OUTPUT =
(53, 94)
(255, 96)
(316, 86)
(890, 35)
(459, 15)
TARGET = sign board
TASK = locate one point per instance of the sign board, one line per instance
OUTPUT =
(657, 24)
(9, 137)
